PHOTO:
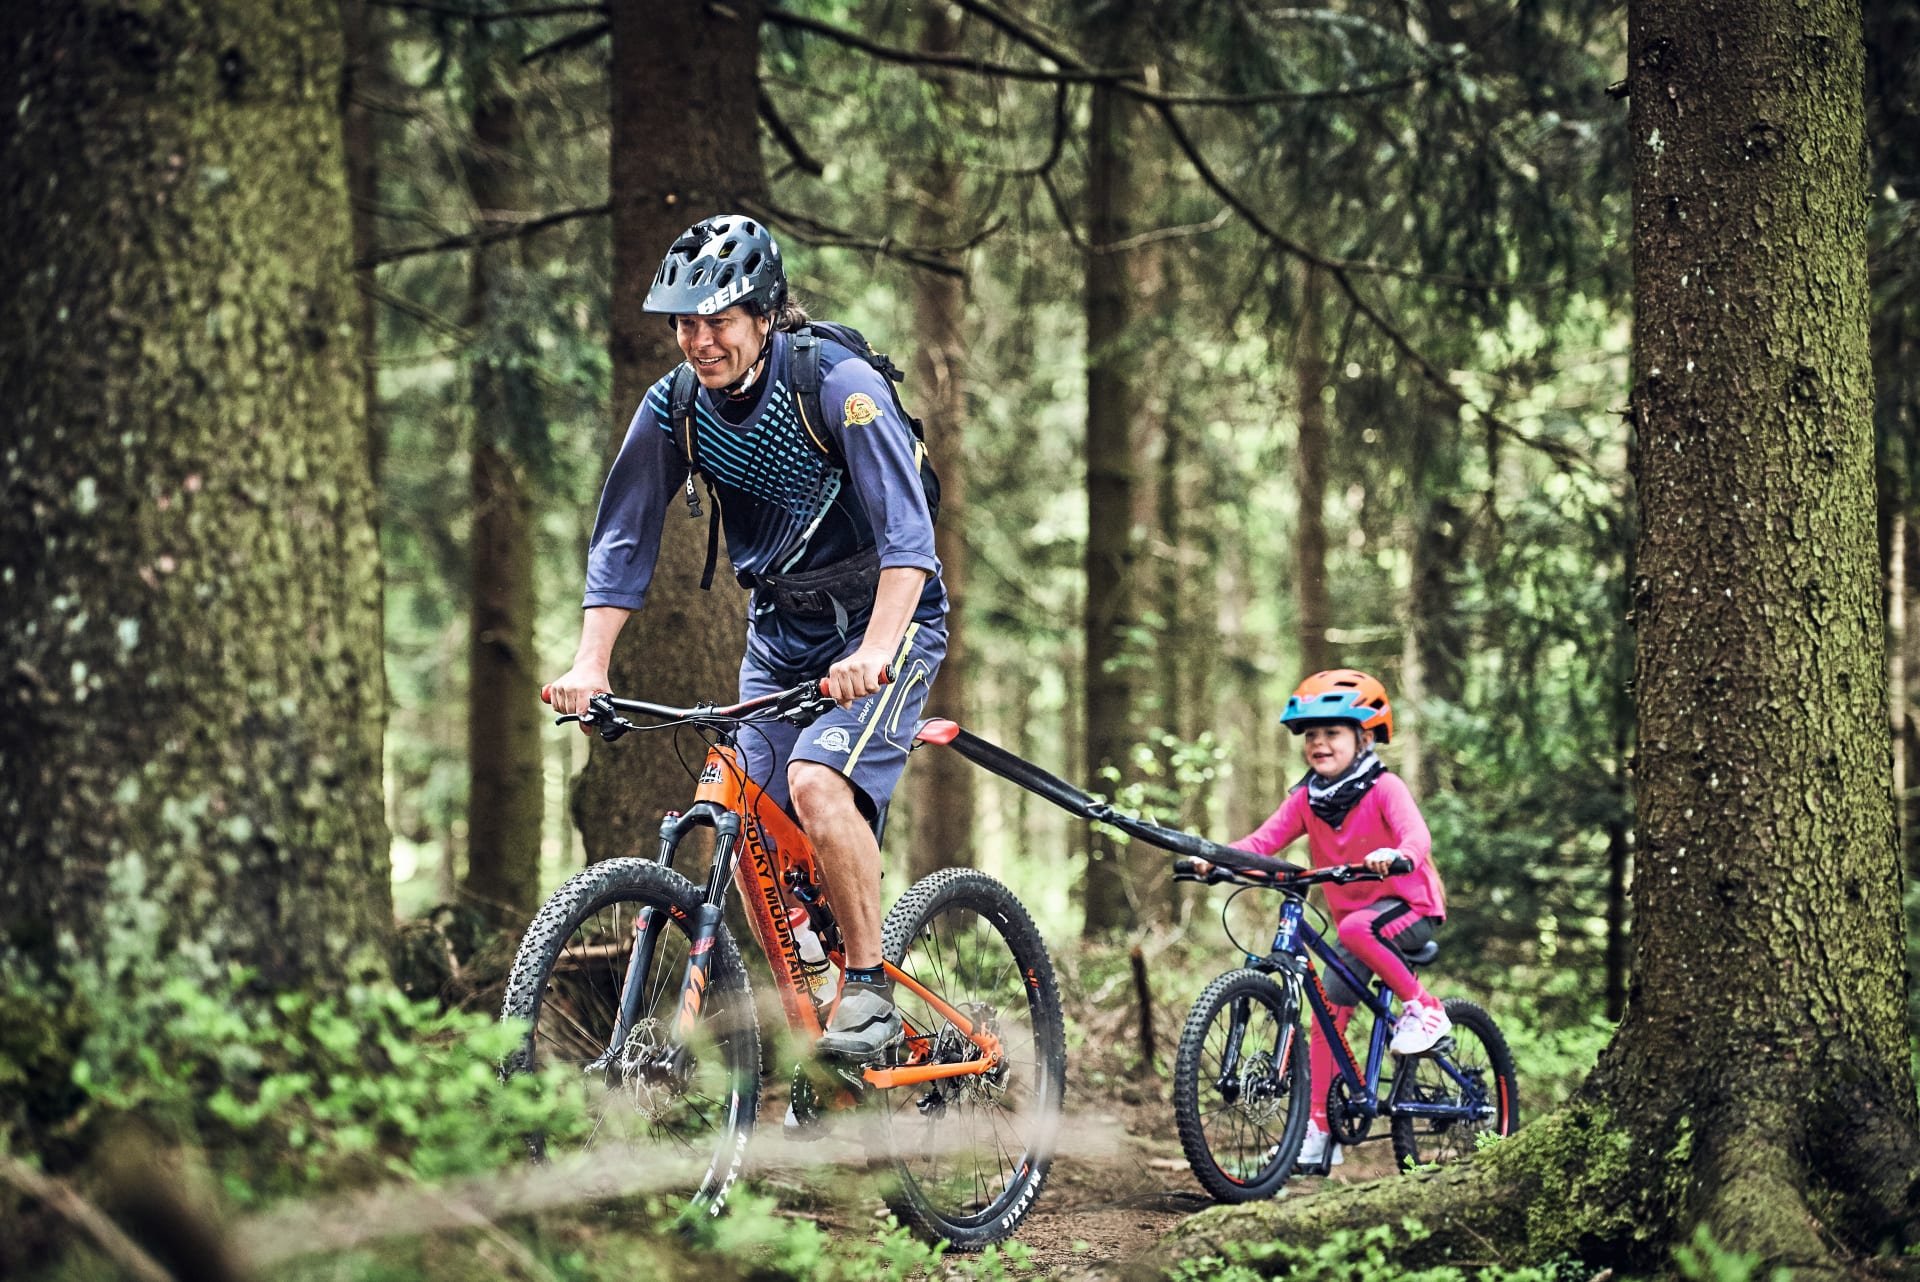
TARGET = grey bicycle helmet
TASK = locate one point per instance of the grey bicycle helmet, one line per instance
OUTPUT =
(718, 262)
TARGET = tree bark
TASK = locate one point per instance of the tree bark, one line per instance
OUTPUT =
(505, 725)
(942, 783)
(191, 711)
(1310, 470)
(685, 145)
(363, 74)
(1760, 1082)
(1112, 401)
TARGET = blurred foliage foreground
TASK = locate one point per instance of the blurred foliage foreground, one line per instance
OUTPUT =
(234, 1132)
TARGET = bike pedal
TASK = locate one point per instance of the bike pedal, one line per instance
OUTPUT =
(807, 1130)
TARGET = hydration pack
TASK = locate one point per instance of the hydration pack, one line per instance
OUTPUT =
(804, 367)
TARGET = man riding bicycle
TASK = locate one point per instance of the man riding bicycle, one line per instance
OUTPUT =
(827, 524)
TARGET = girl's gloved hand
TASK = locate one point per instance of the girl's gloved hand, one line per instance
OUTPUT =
(1379, 859)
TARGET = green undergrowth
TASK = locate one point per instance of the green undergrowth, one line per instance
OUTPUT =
(1376, 1254)
(645, 1239)
(287, 1093)
(1372, 1254)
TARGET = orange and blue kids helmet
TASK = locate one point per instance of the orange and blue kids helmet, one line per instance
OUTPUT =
(1344, 696)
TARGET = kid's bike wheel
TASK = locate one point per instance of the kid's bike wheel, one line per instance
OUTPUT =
(649, 1100)
(970, 1153)
(1474, 1077)
(1240, 1088)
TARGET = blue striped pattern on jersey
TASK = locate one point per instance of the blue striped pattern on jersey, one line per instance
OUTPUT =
(769, 460)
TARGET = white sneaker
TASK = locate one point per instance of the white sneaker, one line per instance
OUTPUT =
(1419, 1028)
(1314, 1152)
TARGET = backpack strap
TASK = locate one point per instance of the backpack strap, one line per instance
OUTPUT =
(680, 422)
(803, 366)
(804, 369)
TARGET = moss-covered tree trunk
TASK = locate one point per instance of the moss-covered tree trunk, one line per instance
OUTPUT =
(505, 723)
(685, 145)
(192, 700)
(943, 783)
(1760, 1081)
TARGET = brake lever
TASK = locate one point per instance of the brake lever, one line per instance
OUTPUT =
(607, 723)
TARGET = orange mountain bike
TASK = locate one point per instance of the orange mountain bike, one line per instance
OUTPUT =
(630, 975)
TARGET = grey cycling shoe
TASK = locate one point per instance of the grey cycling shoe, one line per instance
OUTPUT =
(864, 1024)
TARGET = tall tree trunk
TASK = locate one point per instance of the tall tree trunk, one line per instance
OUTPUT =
(1109, 559)
(1310, 469)
(1760, 1082)
(685, 145)
(364, 77)
(942, 783)
(1767, 850)
(191, 715)
(1897, 666)
(1435, 645)
(505, 725)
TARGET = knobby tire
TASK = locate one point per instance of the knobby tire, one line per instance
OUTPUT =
(972, 1153)
(1480, 1053)
(1242, 1128)
(566, 983)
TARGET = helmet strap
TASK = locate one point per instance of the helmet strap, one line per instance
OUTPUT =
(739, 387)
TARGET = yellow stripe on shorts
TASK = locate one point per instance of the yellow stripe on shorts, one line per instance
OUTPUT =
(879, 709)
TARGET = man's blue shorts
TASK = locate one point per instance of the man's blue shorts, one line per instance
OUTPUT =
(868, 742)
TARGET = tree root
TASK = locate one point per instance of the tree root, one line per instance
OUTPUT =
(1569, 1185)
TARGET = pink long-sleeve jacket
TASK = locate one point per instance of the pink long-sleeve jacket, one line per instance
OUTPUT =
(1385, 817)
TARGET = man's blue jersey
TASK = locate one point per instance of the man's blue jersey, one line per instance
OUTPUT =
(786, 505)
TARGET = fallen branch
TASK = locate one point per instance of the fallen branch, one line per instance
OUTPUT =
(61, 1198)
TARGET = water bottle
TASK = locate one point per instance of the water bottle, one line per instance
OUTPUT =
(821, 975)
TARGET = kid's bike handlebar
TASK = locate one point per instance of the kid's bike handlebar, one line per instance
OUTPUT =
(1244, 869)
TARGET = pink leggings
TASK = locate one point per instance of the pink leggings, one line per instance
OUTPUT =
(1360, 938)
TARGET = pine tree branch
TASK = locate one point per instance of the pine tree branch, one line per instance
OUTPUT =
(934, 258)
(433, 320)
(1073, 70)
(1342, 272)
(788, 140)
(482, 236)
(1061, 212)
(916, 58)
(1056, 146)
(572, 40)
(485, 16)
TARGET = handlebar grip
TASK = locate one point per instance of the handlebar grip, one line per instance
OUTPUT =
(1183, 867)
(1399, 865)
(886, 678)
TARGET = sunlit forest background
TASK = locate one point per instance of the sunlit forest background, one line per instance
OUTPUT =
(1454, 437)
(1306, 348)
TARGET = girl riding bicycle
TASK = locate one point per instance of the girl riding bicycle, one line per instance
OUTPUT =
(1351, 809)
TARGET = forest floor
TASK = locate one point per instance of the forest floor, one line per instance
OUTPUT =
(1119, 1179)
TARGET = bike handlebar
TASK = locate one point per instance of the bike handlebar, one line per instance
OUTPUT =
(1278, 874)
(800, 704)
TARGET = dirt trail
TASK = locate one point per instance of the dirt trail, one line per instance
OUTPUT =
(1110, 1201)
(1119, 1181)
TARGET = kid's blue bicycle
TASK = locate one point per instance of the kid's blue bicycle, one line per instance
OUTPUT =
(1240, 1091)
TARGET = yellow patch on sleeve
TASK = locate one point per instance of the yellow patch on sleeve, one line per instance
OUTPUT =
(860, 410)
